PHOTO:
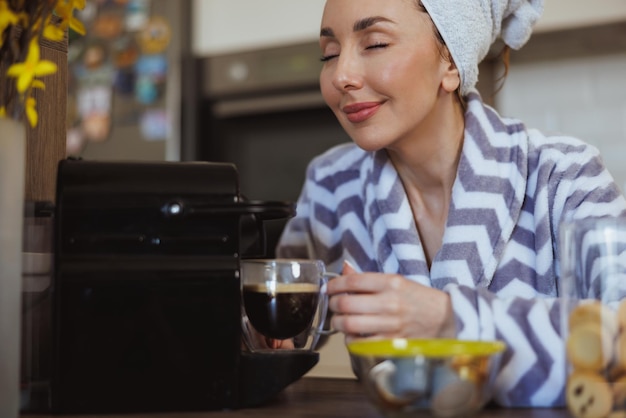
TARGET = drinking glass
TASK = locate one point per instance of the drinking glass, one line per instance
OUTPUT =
(593, 314)
(284, 303)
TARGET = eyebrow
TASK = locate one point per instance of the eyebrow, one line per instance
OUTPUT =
(359, 25)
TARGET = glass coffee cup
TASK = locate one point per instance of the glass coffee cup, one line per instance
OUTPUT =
(284, 303)
(593, 315)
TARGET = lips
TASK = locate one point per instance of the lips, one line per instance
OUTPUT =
(359, 112)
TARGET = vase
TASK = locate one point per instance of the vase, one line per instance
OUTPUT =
(12, 175)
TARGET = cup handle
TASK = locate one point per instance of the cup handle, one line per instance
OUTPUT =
(324, 304)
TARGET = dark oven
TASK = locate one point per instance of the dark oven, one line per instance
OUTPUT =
(263, 111)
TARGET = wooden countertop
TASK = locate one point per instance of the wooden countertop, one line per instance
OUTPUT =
(319, 397)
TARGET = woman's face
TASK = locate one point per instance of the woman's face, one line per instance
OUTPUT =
(383, 72)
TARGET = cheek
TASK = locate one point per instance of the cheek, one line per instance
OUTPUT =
(326, 87)
(389, 74)
(400, 72)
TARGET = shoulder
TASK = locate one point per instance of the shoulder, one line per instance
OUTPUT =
(562, 152)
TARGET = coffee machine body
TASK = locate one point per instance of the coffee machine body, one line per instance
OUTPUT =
(146, 295)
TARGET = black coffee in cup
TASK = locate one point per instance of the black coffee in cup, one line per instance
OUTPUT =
(281, 310)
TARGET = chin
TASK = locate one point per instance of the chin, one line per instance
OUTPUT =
(369, 142)
(368, 147)
(368, 135)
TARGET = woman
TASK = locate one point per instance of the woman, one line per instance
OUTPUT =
(447, 212)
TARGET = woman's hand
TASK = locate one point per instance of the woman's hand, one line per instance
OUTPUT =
(260, 341)
(381, 305)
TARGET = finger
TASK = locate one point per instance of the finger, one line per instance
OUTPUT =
(360, 337)
(366, 324)
(286, 345)
(279, 344)
(348, 268)
(363, 283)
(363, 303)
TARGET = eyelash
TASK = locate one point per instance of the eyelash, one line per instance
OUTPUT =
(378, 45)
(327, 57)
(374, 46)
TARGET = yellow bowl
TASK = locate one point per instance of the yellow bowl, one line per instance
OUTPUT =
(404, 377)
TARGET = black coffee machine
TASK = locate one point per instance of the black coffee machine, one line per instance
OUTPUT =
(146, 306)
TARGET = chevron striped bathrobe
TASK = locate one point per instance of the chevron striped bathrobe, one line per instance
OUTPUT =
(499, 258)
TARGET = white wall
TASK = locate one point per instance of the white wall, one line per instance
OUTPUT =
(561, 14)
(583, 97)
(232, 25)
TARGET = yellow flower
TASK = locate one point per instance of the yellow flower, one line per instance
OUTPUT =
(52, 31)
(7, 17)
(31, 111)
(3, 112)
(32, 67)
(30, 106)
(38, 84)
(79, 4)
(65, 10)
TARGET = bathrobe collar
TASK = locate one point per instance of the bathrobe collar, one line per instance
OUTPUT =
(487, 198)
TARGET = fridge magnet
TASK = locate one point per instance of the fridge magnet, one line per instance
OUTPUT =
(137, 15)
(155, 37)
(153, 66)
(94, 56)
(75, 51)
(108, 25)
(74, 142)
(125, 52)
(151, 71)
(146, 91)
(124, 82)
(154, 125)
(94, 107)
(88, 13)
(94, 68)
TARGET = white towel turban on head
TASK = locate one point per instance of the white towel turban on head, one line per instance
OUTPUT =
(470, 27)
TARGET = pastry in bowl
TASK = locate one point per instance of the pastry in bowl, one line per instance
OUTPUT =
(405, 377)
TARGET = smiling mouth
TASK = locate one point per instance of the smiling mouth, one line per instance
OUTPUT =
(359, 112)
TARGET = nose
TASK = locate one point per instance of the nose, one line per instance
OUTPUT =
(347, 75)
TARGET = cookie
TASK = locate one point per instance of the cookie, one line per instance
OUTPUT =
(615, 371)
(621, 315)
(589, 347)
(619, 393)
(594, 312)
(588, 395)
(620, 352)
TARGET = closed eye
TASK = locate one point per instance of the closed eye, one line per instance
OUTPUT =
(374, 46)
(328, 57)
(378, 45)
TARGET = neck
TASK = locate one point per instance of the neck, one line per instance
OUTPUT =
(428, 160)
(427, 165)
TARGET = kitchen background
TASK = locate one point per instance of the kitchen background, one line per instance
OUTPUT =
(124, 80)
(240, 85)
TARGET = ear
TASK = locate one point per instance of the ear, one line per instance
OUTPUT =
(451, 77)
